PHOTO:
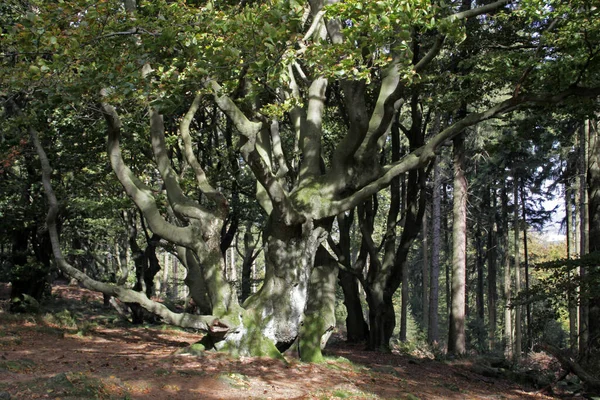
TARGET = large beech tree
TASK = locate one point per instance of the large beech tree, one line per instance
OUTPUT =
(282, 73)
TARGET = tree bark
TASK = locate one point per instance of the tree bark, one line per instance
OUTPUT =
(357, 329)
(526, 262)
(508, 326)
(425, 268)
(518, 335)
(432, 333)
(582, 231)
(479, 264)
(593, 186)
(573, 312)
(492, 266)
(447, 250)
(249, 257)
(207, 323)
(319, 318)
(456, 334)
(279, 305)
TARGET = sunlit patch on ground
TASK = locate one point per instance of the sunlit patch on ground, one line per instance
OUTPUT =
(55, 355)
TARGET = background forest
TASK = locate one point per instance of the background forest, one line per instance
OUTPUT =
(271, 172)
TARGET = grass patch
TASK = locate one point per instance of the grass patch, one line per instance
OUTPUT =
(341, 394)
(50, 330)
(342, 364)
(82, 386)
(344, 394)
(161, 372)
(451, 386)
(67, 320)
(62, 319)
(234, 380)
(18, 366)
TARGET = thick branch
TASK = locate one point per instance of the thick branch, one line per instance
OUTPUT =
(421, 157)
(383, 112)
(356, 109)
(431, 54)
(478, 10)
(247, 128)
(204, 322)
(310, 140)
(206, 188)
(260, 165)
(278, 150)
(390, 87)
(180, 203)
(141, 196)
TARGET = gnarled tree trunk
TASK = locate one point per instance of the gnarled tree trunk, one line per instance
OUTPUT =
(271, 319)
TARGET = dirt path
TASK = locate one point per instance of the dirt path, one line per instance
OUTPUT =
(40, 357)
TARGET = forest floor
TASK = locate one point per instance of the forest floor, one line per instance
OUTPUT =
(77, 349)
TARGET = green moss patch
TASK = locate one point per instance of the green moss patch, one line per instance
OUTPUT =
(17, 366)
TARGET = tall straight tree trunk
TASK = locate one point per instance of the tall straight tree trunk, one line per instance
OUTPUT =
(526, 261)
(518, 333)
(479, 297)
(508, 331)
(573, 316)
(593, 186)
(404, 287)
(584, 316)
(447, 251)
(432, 333)
(491, 260)
(426, 267)
(456, 334)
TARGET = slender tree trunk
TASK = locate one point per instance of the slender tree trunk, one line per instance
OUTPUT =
(508, 330)
(426, 267)
(432, 333)
(384, 278)
(357, 329)
(404, 287)
(480, 260)
(584, 310)
(447, 251)
(165, 276)
(414, 213)
(573, 316)
(404, 304)
(492, 268)
(526, 261)
(456, 335)
(175, 280)
(518, 334)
